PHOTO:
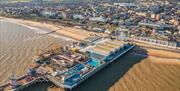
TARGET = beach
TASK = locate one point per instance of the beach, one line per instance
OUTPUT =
(145, 68)
(71, 32)
(160, 71)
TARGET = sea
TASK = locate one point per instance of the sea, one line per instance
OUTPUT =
(19, 44)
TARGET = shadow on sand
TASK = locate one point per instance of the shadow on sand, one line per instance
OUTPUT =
(107, 77)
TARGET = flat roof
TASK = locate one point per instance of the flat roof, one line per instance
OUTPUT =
(99, 51)
(105, 47)
(96, 56)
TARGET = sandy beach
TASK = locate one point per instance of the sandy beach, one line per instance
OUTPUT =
(160, 71)
(72, 32)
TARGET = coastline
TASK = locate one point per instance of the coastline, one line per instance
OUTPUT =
(41, 31)
(71, 32)
(153, 60)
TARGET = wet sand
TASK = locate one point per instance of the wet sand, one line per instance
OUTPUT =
(151, 74)
(19, 44)
(160, 71)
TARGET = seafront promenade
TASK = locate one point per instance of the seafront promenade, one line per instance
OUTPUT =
(167, 44)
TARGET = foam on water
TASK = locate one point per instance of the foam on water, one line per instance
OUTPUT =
(41, 31)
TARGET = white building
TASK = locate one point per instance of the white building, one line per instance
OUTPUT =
(80, 17)
(98, 19)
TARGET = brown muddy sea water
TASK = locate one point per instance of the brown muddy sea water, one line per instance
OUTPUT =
(19, 44)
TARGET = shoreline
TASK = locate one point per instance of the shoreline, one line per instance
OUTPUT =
(71, 32)
(41, 31)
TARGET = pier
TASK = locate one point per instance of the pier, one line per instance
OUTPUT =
(71, 65)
